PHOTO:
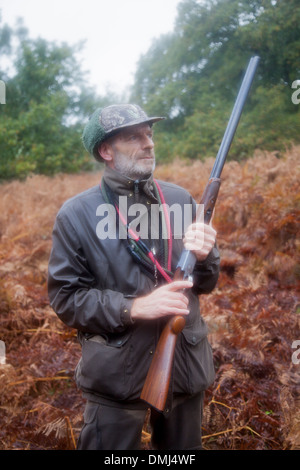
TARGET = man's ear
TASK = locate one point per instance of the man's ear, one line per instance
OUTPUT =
(105, 151)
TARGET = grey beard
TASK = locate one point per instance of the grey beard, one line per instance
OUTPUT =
(131, 169)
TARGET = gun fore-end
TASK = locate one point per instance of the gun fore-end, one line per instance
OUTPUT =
(208, 200)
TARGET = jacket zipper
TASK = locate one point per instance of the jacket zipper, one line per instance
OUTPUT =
(136, 191)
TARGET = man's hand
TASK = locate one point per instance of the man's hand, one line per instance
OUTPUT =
(200, 238)
(165, 300)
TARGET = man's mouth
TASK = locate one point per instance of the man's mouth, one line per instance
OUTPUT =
(146, 157)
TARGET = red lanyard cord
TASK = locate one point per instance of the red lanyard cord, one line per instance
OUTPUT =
(141, 245)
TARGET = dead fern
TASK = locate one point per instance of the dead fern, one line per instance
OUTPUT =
(253, 314)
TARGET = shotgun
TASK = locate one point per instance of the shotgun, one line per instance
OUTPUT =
(156, 386)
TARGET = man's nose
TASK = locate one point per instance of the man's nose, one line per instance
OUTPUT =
(148, 142)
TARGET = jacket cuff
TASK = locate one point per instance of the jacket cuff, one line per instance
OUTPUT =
(126, 311)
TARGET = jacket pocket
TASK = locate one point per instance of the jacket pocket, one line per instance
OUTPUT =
(104, 364)
(194, 368)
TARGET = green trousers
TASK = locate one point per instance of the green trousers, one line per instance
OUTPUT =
(111, 428)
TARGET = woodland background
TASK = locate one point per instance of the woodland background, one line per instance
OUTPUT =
(192, 76)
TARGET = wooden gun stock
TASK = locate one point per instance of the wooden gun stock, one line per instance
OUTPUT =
(156, 387)
(160, 370)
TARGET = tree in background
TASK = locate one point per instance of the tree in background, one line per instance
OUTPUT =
(47, 102)
(193, 75)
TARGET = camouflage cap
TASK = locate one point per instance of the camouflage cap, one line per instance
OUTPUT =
(108, 121)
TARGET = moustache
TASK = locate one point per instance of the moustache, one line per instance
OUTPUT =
(147, 154)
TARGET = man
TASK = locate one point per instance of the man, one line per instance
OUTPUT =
(111, 279)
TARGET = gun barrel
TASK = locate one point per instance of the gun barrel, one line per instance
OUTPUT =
(235, 117)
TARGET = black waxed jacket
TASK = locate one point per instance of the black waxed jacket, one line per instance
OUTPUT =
(92, 283)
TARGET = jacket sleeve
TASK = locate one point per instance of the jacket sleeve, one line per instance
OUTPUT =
(72, 288)
(206, 273)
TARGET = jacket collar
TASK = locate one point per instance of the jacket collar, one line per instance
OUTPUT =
(121, 184)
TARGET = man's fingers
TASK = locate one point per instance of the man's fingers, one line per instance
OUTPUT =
(200, 230)
(176, 311)
(179, 285)
(200, 238)
(165, 300)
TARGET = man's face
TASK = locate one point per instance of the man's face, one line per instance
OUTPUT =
(132, 151)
